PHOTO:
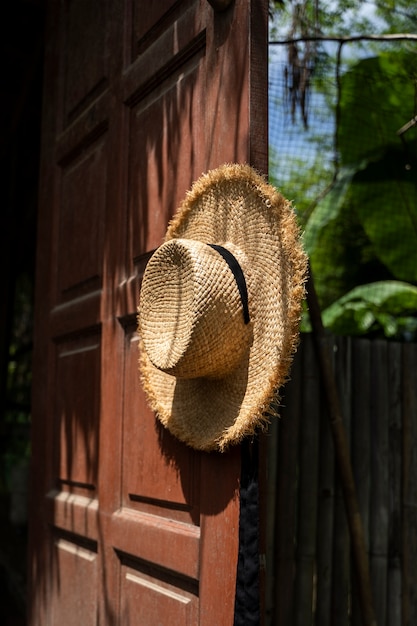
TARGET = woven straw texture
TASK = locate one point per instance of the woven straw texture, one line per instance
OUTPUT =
(232, 206)
(192, 323)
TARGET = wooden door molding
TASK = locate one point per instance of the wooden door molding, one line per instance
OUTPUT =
(127, 524)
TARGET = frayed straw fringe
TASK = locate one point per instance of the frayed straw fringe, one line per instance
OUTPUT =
(264, 401)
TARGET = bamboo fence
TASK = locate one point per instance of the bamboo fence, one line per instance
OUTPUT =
(310, 574)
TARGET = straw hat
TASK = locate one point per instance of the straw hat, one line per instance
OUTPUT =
(219, 309)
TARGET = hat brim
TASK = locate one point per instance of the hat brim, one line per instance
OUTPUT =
(234, 205)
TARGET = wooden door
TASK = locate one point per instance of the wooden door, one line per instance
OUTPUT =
(129, 526)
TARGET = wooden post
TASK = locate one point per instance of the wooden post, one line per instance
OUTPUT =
(343, 460)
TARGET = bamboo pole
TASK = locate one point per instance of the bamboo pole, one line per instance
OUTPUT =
(285, 525)
(360, 556)
(361, 446)
(409, 486)
(270, 451)
(325, 524)
(395, 433)
(307, 493)
(341, 540)
(379, 511)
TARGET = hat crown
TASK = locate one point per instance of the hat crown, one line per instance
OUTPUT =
(190, 314)
(220, 376)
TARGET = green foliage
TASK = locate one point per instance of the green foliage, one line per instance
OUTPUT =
(342, 17)
(306, 183)
(399, 15)
(334, 241)
(384, 196)
(362, 234)
(378, 93)
(390, 305)
(360, 216)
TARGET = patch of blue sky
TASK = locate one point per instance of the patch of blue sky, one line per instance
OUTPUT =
(291, 142)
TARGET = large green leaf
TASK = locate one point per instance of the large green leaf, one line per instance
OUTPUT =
(339, 250)
(376, 100)
(374, 200)
(387, 305)
(384, 196)
(328, 209)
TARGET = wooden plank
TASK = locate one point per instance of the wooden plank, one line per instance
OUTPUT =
(286, 502)
(325, 519)
(341, 543)
(395, 444)
(271, 450)
(361, 445)
(409, 481)
(219, 536)
(73, 513)
(307, 494)
(153, 538)
(343, 458)
(379, 478)
(383, 439)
